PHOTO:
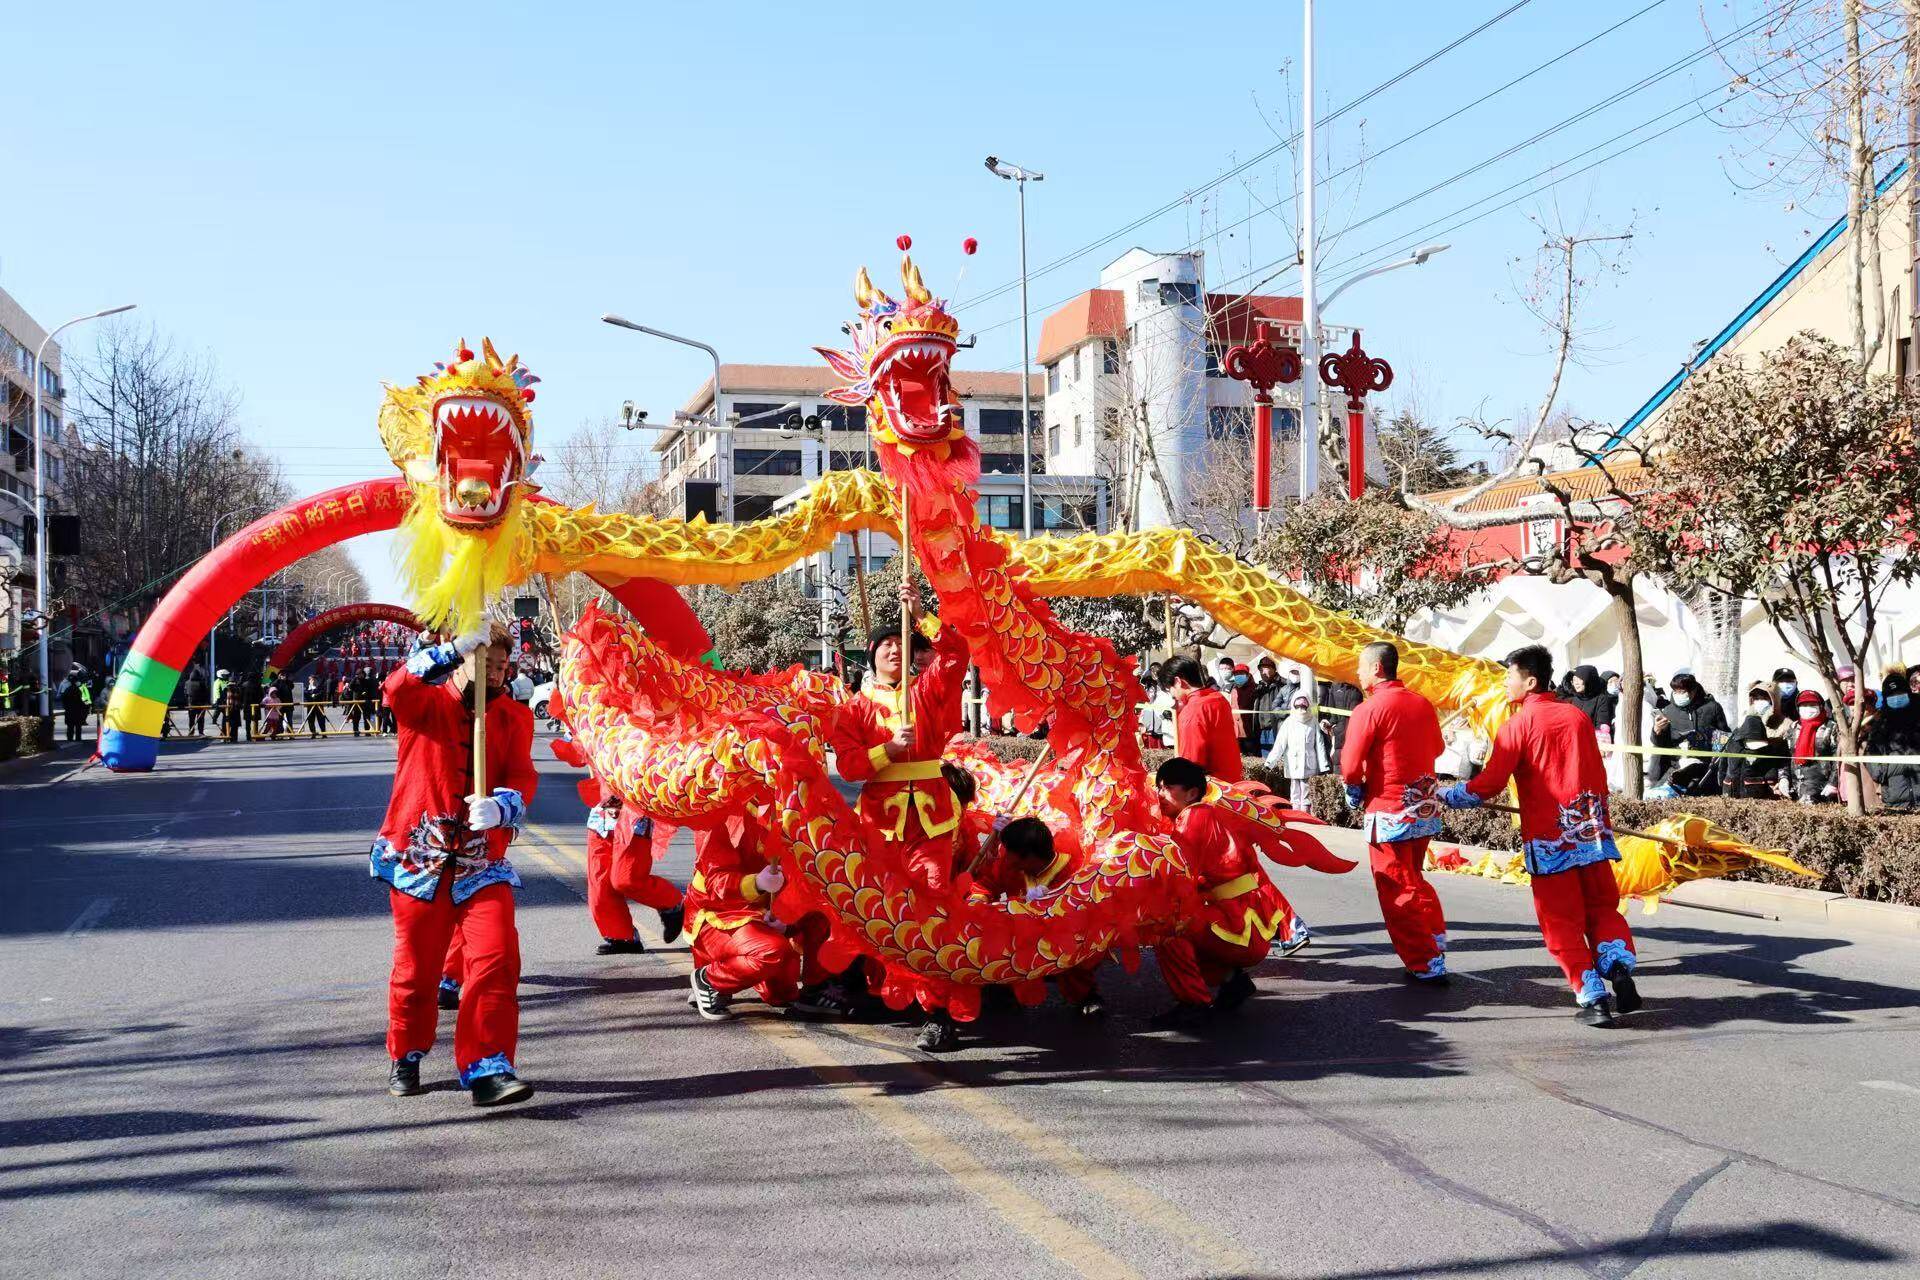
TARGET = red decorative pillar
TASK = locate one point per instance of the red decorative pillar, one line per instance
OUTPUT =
(1262, 365)
(1356, 373)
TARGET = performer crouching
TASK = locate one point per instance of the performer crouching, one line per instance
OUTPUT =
(736, 942)
(1549, 749)
(1387, 763)
(1023, 864)
(442, 852)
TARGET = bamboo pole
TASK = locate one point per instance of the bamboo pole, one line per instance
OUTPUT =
(477, 678)
(1619, 831)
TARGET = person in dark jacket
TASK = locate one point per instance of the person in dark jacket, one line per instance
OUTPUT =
(1343, 697)
(1588, 691)
(1896, 732)
(1754, 757)
(196, 687)
(1692, 721)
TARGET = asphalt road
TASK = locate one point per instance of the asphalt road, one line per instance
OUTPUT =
(192, 1012)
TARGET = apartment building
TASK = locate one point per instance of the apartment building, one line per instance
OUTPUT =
(20, 337)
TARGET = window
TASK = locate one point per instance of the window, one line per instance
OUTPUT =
(848, 460)
(1002, 511)
(1149, 290)
(749, 408)
(751, 506)
(49, 423)
(1541, 538)
(843, 417)
(1053, 440)
(1053, 377)
(1173, 294)
(1286, 424)
(1229, 422)
(1076, 364)
(1110, 422)
(767, 462)
(1110, 356)
(1065, 513)
(1213, 361)
(1001, 422)
(1076, 431)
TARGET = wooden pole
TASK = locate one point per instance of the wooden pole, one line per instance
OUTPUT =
(477, 678)
(1619, 831)
(1013, 805)
(860, 581)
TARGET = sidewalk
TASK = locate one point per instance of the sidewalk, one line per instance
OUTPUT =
(64, 756)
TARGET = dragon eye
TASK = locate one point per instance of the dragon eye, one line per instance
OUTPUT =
(887, 325)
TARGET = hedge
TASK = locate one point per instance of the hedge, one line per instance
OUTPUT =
(1876, 858)
(14, 730)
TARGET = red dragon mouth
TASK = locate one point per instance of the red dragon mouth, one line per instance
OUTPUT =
(478, 454)
(911, 376)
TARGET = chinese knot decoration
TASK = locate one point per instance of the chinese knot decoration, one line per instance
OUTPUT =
(1263, 366)
(1356, 373)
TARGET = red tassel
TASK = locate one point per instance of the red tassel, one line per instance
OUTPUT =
(969, 246)
(904, 243)
(527, 395)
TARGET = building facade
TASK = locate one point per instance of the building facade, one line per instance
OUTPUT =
(1136, 392)
(20, 337)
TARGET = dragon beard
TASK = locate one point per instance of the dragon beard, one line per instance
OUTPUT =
(441, 565)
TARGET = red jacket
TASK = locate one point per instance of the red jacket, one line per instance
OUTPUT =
(426, 822)
(1393, 738)
(1002, 876)
(1207, 735)
(1551, 753)
(905, 799)
(1240, 903)
(723, 893)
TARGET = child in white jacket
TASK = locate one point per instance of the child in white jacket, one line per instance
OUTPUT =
(1300, 753)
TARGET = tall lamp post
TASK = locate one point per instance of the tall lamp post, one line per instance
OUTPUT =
(40, 502)
(1020, 178)
(621, 322)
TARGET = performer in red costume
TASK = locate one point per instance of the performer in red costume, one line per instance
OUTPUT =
(442, 852)
(1024, 863)
(1387, 763)
(737, 943)
(1204, 728)
(894, 752)
(1549, 749)
(620, 871)
(1243, 911)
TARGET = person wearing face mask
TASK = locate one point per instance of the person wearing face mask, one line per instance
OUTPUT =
(1694, 722)
(1223, 675)
(442, 852)
(1742, 774)
(1299, 753)
(1245, 698)
(1813, 775)
(1896, 732)
(1271, 698)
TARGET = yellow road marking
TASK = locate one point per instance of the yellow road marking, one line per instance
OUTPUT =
(1060, 1238)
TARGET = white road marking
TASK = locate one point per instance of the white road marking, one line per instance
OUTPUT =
(93, 914)
(1889, 1086)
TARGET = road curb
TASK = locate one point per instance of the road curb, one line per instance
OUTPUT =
(1801, 906)
(10, 769)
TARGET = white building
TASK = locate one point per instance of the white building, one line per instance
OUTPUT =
(20, 337)
(1135, 391)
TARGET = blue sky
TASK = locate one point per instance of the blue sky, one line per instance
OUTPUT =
(325, 198)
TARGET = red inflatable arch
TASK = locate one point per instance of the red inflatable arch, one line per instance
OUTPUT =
(332, 620)
(130, 741)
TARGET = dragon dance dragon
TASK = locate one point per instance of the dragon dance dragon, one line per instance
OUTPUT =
(693, 745)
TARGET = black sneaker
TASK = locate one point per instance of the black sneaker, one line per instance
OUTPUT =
(1597, 1014)
(1092, 1006)
(1425, 979)
(403, 1079)
(621, 947)
(449, 997)
(708, 1002)
(1626, 996)
(500, 1090)
(672, 920)
(1234, 992)
(937, 1033)
(824, 1000)
(1182, 1017)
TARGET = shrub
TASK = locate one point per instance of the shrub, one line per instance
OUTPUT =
(13, 732)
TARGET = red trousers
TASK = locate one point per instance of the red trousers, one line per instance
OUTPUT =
(1579, 910)
(489, 1018)
(927, 861)
(759, 955)
(1407, 902)
(1195, 963)
(614, 880)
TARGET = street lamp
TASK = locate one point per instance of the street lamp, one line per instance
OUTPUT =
(1312, 311)
(1020, 178)
(40, 502)
(621, 322)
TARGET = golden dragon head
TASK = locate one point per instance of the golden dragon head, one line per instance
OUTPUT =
(900, 365)
(466, 432)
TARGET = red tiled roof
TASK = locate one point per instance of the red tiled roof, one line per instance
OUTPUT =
(1232, 316)
(1097, 313)
(816, 379)
(1584, 484)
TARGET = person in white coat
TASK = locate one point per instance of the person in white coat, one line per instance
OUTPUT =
(1300, 753)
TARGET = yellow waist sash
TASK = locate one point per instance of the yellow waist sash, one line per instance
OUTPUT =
(1234, 887)
(908, 771)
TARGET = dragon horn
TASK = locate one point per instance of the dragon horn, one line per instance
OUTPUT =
(863, 290)
(486, 349)
(910, 276)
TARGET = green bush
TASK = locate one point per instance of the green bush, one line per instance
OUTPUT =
(13, 731)
(1876, 858)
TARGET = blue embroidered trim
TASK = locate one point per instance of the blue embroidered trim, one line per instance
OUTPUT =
(450, 984)
(1436, 968)
(602, 821)
(513, 807)
(1551, 857)
(412, 1055)
(500, 872)
(1458, 797)
(1592, 990)
(434, 663)
(1613, 955)
(1387, 828)
(1356, 795)
(1440, 941)
(494, 1064)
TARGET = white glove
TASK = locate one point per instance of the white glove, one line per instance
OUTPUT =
(1036, 893)
(466, 644)
(483, 813)
(770, 878)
